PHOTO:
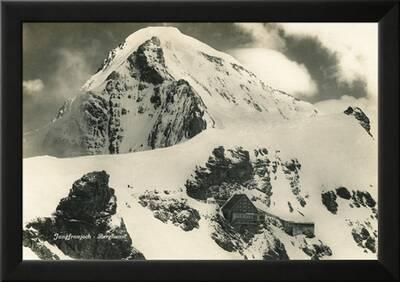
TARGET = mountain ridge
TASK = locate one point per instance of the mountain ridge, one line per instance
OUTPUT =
(301, 162)
(179, 128)
(160, 88)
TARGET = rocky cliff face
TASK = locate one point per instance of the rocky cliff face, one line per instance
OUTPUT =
(363, 228)
(170, 210)
(157, 89)
(238, 170)
(84, 225)
(160, 88)
(266, 178)
(361, 117)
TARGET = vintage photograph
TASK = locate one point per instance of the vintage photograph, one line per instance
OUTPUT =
(200, 141)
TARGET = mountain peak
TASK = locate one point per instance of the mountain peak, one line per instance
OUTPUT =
(168, 39)
(159, 31)
(159, 88)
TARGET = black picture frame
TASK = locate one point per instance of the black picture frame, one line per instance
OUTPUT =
(15, 13)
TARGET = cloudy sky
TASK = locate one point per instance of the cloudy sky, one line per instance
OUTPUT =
(331, 65)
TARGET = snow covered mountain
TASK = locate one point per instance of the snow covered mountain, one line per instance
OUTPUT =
(160, 88)
(156, 89)
(152, 194)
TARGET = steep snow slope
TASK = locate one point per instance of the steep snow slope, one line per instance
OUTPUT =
(156, 89)
(160, 88)
(333, 150)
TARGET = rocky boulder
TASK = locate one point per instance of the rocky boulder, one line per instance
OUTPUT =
(225, 236)
(329, 201)
(276, 252)
(85, 224)
(343, 193)
(366, 239)
(89, 199)
(316, 251)
(232, 167)
(361, 117)
(168, 209)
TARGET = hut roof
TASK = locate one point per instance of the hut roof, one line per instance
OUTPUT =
(231, 202)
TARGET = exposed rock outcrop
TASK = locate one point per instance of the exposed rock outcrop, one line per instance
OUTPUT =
(85, 225)
(87, 116)
(229, 171)
(169, 209)
(148, 56)
(277, 252)
(226, 236)
(329, 200)
(316, 251)
(154, 90)
(30, 240)
(181, 115)
(356, 198)
(364, 236)
(361, 117)
(220, 171)
(363, 199)
(291, 170)
(342, 192)
(363, 231)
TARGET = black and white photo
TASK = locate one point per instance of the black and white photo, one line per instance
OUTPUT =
(210, 141)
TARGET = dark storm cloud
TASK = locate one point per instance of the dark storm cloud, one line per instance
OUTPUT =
(323, 66)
